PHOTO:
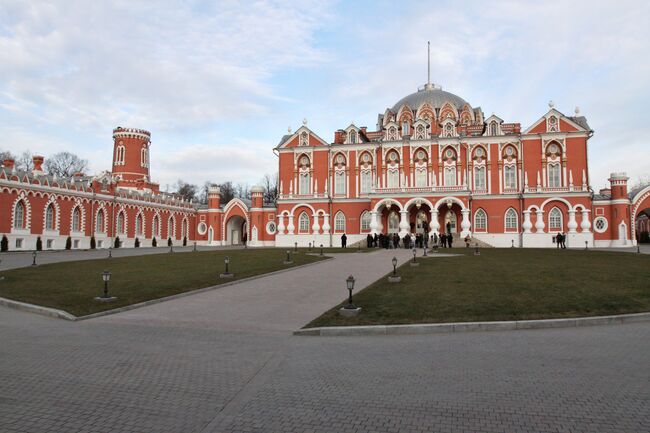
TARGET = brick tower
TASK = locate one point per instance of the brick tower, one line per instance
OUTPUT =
(620, 228)
(131, 158)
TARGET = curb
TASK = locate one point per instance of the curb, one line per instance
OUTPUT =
(60, 314)
(437, 328)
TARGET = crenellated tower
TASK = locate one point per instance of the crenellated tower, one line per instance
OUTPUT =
(620, 228)
(131, 158)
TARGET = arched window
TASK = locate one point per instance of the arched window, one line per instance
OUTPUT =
(555, 220)
(170, 227)
(339, 222)
(493, 128)
(479, 178)
(119, 155)
(99, 221)
(305, 183)
(480, 220)
(339, 182)
(49, 217)
(510, 176)
(76, 220)
(554, 177)
(393, 222)
(303, 223)
(155, 226)
(353, 137)
(138, 225)
(19, 216)
(420, 178)
(365, 221)
(450, 176)
(184, 227)
(366, 182)
(511, 220)
(144, 157)
(121, 226)
(405, 128)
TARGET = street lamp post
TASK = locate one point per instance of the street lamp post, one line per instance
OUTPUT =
(350, 284)
(34, 258)
(110, 251)
(394, 266)
(288, 260)
(227, 274)
(295, 246)
(310, 246)
(321, 249)
(476, 251)
(106, 277)
(414, 262)
(512, 243)
(194, 246)
(394, 278)
(424, 254)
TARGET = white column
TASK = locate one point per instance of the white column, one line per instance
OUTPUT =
(315, 228)
(373, 222)
(434, 225)
(527, 225)
(403, 223)
(585, 224)
(281, 224)
(572, 225)
(539, 224)
(465, 224)
(290, 226)
(326, 224)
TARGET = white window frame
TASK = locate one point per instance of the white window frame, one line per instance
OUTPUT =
(480, 177)
(339, 222)
(365, 221)
(304, 183)
(511, 220)
(450, 175)
(510, 177)
(303, 222)
(50, 217)
(480, 220)
(99, 221)
(76, 219)
(365, 182)
(20, 222)
(555, 220)
(420, 178)
(554, 171)
(339, 182)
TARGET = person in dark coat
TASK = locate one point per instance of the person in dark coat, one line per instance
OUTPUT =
(344, 241)
(375, 241)
(395, 241)
(369, 241)
(443, 240)
(450, 240)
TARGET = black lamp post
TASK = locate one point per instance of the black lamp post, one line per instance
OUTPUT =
(321, 249)
(414, 253)
(195, 246)
(512, 243)
(476, 251)
(227, 262)
(350, 284)
(586, 245)
(295, 246)
(106, 276)
(288, 259)
(110, 251)
(34, 258)
(394, 266)
(425, 252)
(309, 246)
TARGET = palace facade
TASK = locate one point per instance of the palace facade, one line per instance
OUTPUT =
(434, 163)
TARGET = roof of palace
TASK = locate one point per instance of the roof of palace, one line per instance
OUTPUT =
(637, 189)
(431, 94)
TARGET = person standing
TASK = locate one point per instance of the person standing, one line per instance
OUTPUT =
(244, 238)
(344, 241)
(375, 241)
(450, 239)
(563, 240)
(369, 241)
(467, 239)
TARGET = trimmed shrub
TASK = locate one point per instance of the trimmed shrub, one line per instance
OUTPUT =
(4, 244)
(169, 242)
(117, 242)
(184, 241)
(93, 244)
(137, 243)
(68, 243)
(154, 242)
(39, 244)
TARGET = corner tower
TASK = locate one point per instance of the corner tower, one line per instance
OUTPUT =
(131, 157)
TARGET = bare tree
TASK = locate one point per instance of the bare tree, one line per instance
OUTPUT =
(24, 162)
(186, 190)
(203, 195)
(243, 191)
(5, 154)
(65, 164)
(270, 185)
(640, 182)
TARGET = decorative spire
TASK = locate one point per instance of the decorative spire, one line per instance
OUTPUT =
(289, 130)
(304, 121)
(551, 104)
(428, 86)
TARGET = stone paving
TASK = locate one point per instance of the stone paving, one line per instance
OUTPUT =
(225, 361)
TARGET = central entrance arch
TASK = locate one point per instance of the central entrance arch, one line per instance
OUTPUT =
(235, 229)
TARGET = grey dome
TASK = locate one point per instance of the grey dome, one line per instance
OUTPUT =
(435, 96)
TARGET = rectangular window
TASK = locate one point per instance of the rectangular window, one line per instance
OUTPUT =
(510, 174)
(100, 244)
(479, 178)
(49, 244)
(19, 243)
(304, 185)
(450, 176)
(393, 179)
(554, 178)
(366, 182)
(421, 178)
(75, 244)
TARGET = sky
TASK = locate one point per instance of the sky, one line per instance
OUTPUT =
(219, 82)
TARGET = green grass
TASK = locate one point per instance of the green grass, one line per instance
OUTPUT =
(505, 284)
(72, 286)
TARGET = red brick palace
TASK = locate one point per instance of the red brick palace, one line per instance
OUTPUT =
(433, 162)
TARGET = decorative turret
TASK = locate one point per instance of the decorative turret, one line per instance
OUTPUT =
(38, 164)
(618, 183)
(214, 197)
(8, 164)
(257, 196)
(131, 156)
(619, 227)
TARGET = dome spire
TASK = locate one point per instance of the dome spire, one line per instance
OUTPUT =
(428, 86)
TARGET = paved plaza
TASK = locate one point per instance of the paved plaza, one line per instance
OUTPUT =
(225, 361)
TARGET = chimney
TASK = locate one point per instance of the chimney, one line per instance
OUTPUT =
(38, 164)
(9, 164)
(605, 191)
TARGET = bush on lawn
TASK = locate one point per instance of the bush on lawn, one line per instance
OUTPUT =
(4, 244)
(93, 244)
(39, 244)
(169, 242)
(137, 243)
(117, 242)
(645, 237)
(68, 243)
(184, 241)
(154, 242)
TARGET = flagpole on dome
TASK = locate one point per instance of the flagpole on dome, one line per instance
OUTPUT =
(428, 86)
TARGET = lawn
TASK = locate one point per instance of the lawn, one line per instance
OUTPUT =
(72, 286)
(505, 284)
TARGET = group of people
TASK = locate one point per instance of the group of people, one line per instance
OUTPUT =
(393, 241)
(560, 240)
